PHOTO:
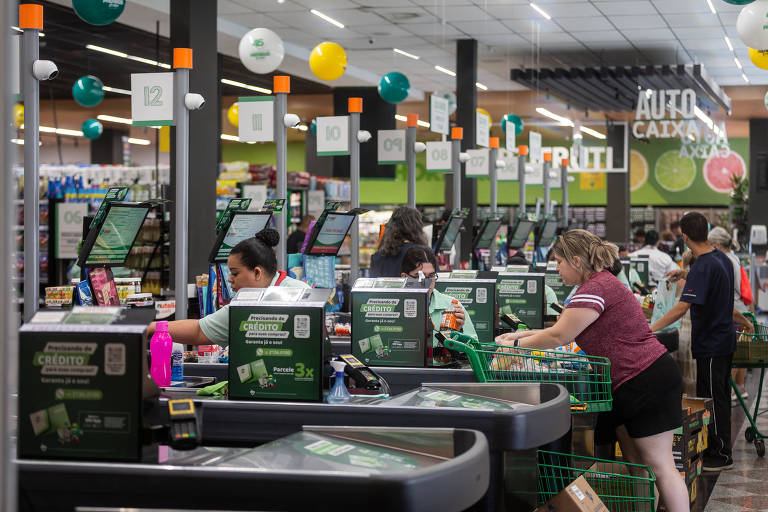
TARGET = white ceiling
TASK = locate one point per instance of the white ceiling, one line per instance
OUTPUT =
(581, 33)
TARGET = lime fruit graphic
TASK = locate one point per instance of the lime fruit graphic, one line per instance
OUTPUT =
(638, 170)
(673, 172)
(720, 169)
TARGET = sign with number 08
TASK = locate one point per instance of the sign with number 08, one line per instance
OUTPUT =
(439, 156)
(391, 144)
(152, 99)
(256, 118)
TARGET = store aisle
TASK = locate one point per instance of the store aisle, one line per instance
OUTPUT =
(743, 488)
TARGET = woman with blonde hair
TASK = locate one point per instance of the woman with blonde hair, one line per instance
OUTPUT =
(605, 319)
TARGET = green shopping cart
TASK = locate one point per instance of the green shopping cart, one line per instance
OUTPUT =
(752, 352)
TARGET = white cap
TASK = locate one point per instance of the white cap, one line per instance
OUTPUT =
(338, 366)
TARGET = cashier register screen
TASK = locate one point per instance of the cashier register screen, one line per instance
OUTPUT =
(451, 232)
(488, 235)
(117, 235)
(332, 233)
(241, 228)
(520, 236)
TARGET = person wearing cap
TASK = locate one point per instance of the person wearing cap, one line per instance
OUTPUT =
(659, 263)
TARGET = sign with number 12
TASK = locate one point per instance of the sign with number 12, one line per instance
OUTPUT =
(152, 99)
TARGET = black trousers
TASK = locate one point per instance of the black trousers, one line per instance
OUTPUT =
(712, 381)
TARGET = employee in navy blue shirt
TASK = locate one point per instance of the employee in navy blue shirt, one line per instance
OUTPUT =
(708, 294)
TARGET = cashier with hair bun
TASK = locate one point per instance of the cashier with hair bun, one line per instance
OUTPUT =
(252, 264)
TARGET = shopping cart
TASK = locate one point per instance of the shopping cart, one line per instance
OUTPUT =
(752, 352)
(621, 486)
(587, 378)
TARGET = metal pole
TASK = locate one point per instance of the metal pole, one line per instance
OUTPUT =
(282, 87)
(547, 203)
(181, 117)
(564, 187)
(410, 157)
(8, 318)
(457, 134)
(521, 179)
(492, 154)
(355, 107)
(30, 52)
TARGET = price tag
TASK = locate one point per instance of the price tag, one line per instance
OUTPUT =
(534, 147)
(256, 119)
(333, 136)
(152, 99)
(439, 156)
(510, 134)
(391, 147)
(509, 171)
(477, 165)
(439, 114)
(482, 129)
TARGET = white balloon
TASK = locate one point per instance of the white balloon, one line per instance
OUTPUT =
(451, 97)
(751, 25)
(261, 50)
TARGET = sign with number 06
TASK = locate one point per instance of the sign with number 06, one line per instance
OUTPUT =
(256, 118)
(439, 157)
(152, 99)
(391, 147)
(477, 165)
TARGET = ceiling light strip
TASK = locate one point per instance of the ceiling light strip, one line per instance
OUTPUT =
(116, 90)
(728, 43)
(246, 86)
(590, 131)
(403, 52)
(445, 70)
(560, 119)
(480, 86)
(541, 11)
(124, 55)
(327, 18)
(711, 7)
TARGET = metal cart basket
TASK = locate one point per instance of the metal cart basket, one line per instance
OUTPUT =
(752, 352)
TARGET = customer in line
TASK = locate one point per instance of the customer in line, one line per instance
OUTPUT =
(296, 239)
(708, 294)
(659, 262)
(723, 241)
(403, 231)
(606, 320)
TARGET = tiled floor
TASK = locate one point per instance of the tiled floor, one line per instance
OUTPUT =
(745, 487)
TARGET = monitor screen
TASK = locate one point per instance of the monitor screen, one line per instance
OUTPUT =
(332, 233)
(520, 235)
(548, 231)
(487, 233)
(448, 237)
(117, 234)
(242, 226)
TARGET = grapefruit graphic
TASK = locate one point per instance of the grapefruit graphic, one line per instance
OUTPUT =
(638, 170)
(673, 172)
(719, 170)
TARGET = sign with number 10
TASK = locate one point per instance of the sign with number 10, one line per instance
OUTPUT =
(152, 99)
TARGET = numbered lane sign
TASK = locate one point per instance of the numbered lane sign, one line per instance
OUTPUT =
(534, 173)
(554, 177)
(482, 129)
(477, 165)
(438, 114)
(439, 156)
(534, 147)
(510, 137)
(509, 171)
(333, 136)
(256, 118)
(391, 145)
(152, 99)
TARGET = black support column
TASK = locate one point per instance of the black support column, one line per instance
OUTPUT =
(758, 172)
(108, 148)
(617, 215)
(193, 25)
(466, 100)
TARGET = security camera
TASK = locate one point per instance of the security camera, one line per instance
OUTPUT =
(291, 120)
(370, 40)
(193, 101)
(44, 70)
(500, 164)
(463, 157)
(363, 136)
(419, 147)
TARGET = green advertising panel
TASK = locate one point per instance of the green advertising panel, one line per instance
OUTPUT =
(80, 389)
(276, 350)
(390, 327)
(522, 294)
(117, 234)
(479, 299)
(553, 280)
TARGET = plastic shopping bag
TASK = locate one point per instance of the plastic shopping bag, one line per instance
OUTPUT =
(665, 297)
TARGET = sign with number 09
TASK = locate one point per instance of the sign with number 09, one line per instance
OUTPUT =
(256, 118)
(439, 156)
(391, 145)
(152, 99)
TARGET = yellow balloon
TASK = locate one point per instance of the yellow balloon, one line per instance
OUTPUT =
(328, 61)
(233, 114)
(759, 58)
(486, 113)
(18, 115)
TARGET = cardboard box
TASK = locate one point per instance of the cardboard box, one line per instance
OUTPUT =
(693, 489)
(689, 469)
(696, 413)
(578, 496)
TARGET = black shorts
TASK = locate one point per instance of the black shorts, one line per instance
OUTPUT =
(648, 404)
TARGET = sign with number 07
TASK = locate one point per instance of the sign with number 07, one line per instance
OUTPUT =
(152, 99)
(439, 156)
(256, 118)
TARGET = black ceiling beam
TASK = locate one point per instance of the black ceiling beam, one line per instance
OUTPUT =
(608, 87)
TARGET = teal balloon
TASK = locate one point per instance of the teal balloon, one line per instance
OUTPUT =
(88, 91)
(313, 126)
(98, 12)
(739, 2)
(394, 87)
(92, 129)
(514, 119)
